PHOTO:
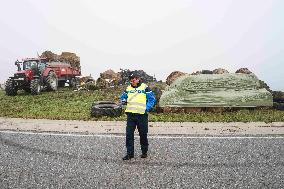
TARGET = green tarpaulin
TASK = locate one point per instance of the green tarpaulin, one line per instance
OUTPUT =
(216, 90)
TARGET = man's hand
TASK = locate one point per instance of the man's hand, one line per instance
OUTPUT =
(123, 102)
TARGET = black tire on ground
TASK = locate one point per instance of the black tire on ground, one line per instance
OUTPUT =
(102, 102)
(10, 88)
(111, 110)
(35, 87)
(61, 83)
(51, 81)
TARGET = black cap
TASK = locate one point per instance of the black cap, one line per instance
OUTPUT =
(134, 75)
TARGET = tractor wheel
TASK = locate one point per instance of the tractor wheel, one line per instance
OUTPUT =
(10, 88)
(72, 83)
(61, 83)
(35, 87)
(27, 89)
(77, 81)
(51, 81)
(111, 110)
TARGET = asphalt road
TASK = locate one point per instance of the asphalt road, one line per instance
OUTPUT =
(78, 161)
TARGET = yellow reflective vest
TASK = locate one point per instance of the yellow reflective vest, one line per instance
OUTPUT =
(136, 101)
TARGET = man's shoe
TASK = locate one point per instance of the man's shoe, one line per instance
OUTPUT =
(128, 157)
(144, 155)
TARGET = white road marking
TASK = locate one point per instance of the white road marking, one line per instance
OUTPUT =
(150, 136)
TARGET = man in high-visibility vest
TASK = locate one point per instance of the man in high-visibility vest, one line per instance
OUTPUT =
(139, 99)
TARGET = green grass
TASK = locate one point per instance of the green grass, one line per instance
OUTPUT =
(72, 105)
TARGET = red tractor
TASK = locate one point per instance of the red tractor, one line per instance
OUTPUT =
(36, 74)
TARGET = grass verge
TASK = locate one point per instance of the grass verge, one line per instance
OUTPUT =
(75, 105)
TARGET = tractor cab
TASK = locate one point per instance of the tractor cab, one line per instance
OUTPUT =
(36, 65)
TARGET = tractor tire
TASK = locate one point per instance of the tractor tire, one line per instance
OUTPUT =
(61, 83)
(35, 87)
(111, 110)
(27, 89)
(74, 82)
(77, 81)
(51, 81)
(10, 88)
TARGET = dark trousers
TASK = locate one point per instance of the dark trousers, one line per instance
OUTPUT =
(141, 121)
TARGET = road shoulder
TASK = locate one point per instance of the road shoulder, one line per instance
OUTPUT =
(155, 128)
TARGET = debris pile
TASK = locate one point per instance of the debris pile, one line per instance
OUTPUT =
(50, 56)
(110, 78)
(244, 71)
(125, 73)
(71, 58)
(278, 100)
(157, 88)
(202, 72)
(102, 83)
(173, 76)
(87, 83)
(278, 96)
(87, 79)
(110, 74)
(220, 71)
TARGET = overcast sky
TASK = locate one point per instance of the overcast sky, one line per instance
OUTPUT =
(156, 36)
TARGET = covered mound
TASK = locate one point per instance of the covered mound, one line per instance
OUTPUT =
(216, 90)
